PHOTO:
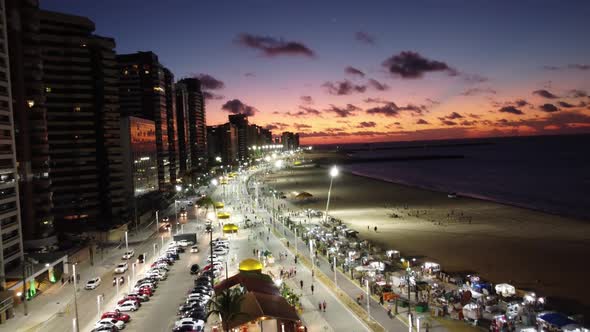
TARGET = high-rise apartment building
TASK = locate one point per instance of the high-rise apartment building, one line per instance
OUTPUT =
(142, 93)
(170, 94)
(70, 88)
(11, 245)
(241, 123)
(222, 142)
(191, 106)
(30, 121)
(290, 141)
(182, 129)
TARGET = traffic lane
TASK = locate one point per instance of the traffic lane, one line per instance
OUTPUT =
(160, 313)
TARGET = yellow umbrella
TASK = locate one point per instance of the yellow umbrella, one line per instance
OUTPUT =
(230, 228)
(219, 205)
(222, 215)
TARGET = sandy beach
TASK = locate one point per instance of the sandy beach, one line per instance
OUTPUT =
(529, 249)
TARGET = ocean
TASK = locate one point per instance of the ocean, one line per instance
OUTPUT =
(546, 173)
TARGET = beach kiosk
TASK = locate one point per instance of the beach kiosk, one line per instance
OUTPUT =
(230, 228)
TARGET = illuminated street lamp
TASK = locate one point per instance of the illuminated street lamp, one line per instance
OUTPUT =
(178, 188)
(333, 174)
(214, 182)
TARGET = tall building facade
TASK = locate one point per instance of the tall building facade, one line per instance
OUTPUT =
(11, 245)
(182, 129)
(140, 155)
(191, 106)
(170, 94)
(290, 141)
(30, 121)
(70, 86)
(241, 123)
(222, 142)
(142, 93)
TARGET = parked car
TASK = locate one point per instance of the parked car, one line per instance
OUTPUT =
(194, 249)
(127, 306)
(126, 299)
(110, 321)
(144, 290)
(195, 268)
(185, 243)
(116, 315)
(189, 321)
(142, 297)
(128, 254)
(122, 267)
(93, 283)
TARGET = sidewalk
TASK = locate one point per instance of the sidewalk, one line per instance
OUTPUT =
(336, 318)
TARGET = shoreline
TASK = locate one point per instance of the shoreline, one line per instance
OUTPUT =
(463, 194)
(505, 243)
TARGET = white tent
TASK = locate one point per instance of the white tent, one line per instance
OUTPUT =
(505, 290)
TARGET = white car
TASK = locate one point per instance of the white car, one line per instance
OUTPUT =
(195, 323)
(93, 283)
(109, 322)
(122, 268)
(185, 243)
(128, 254)
(195, 248)
(219, 251)
(127, 306)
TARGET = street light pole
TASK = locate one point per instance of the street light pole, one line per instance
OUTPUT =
(335, 281)
(157, 222)
(311, 256)
(126, 242)
(368, 300)
(333, 174)
(76, 325)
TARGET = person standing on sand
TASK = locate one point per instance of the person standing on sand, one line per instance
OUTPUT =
(324, 305)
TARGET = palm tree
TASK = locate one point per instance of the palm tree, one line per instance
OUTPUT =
(206, 202)
(227, 305)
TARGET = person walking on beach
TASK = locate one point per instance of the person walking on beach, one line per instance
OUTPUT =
(301, 283)
(324, 305)
(320, 306)
(312, 288)
(375, 229)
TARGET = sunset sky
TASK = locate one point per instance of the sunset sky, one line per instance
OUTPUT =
(350, 71)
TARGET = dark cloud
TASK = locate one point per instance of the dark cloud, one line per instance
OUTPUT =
(276, 126)
(272, 47)
(453, 116)
(249, 74)
(549, 108)
(448, 122)
(371, 100)
(408, 64)
(212, 96)
(304, 111)
(578, 66)
(422, 122)
(235, 106)
(478, 91)
(353, 71)
(511, 110)
(565, 104)
(565, 122)
(310, 111)
(301, 126)
(364, 38)
(432, 101)
(343, 112)
(473, 116)
(391, 109)
(575, 66)
(343, 88)
(473, 78)
(378, 85)
(545, 94)
(209, 82)
(521, 103)
(367, 124)
(306, 100)
(575, 93)
(468, 123)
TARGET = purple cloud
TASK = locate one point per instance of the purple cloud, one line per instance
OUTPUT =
(545, 94)
(511, 110)
(209, 82)
(364, 38)
(343, 88)
(549, 108)
(378, 85)
(273, 47)
(235, 106)
(408, 64)
(367, 124)
(308, 100)
(478, 91)
(354, 71)
(422, 122)
(343, 112)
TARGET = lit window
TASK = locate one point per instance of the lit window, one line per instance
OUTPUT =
(83, 45)
(126, 72)
(147, 71)
(77, 109)
(47, 89)
(31, 103)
